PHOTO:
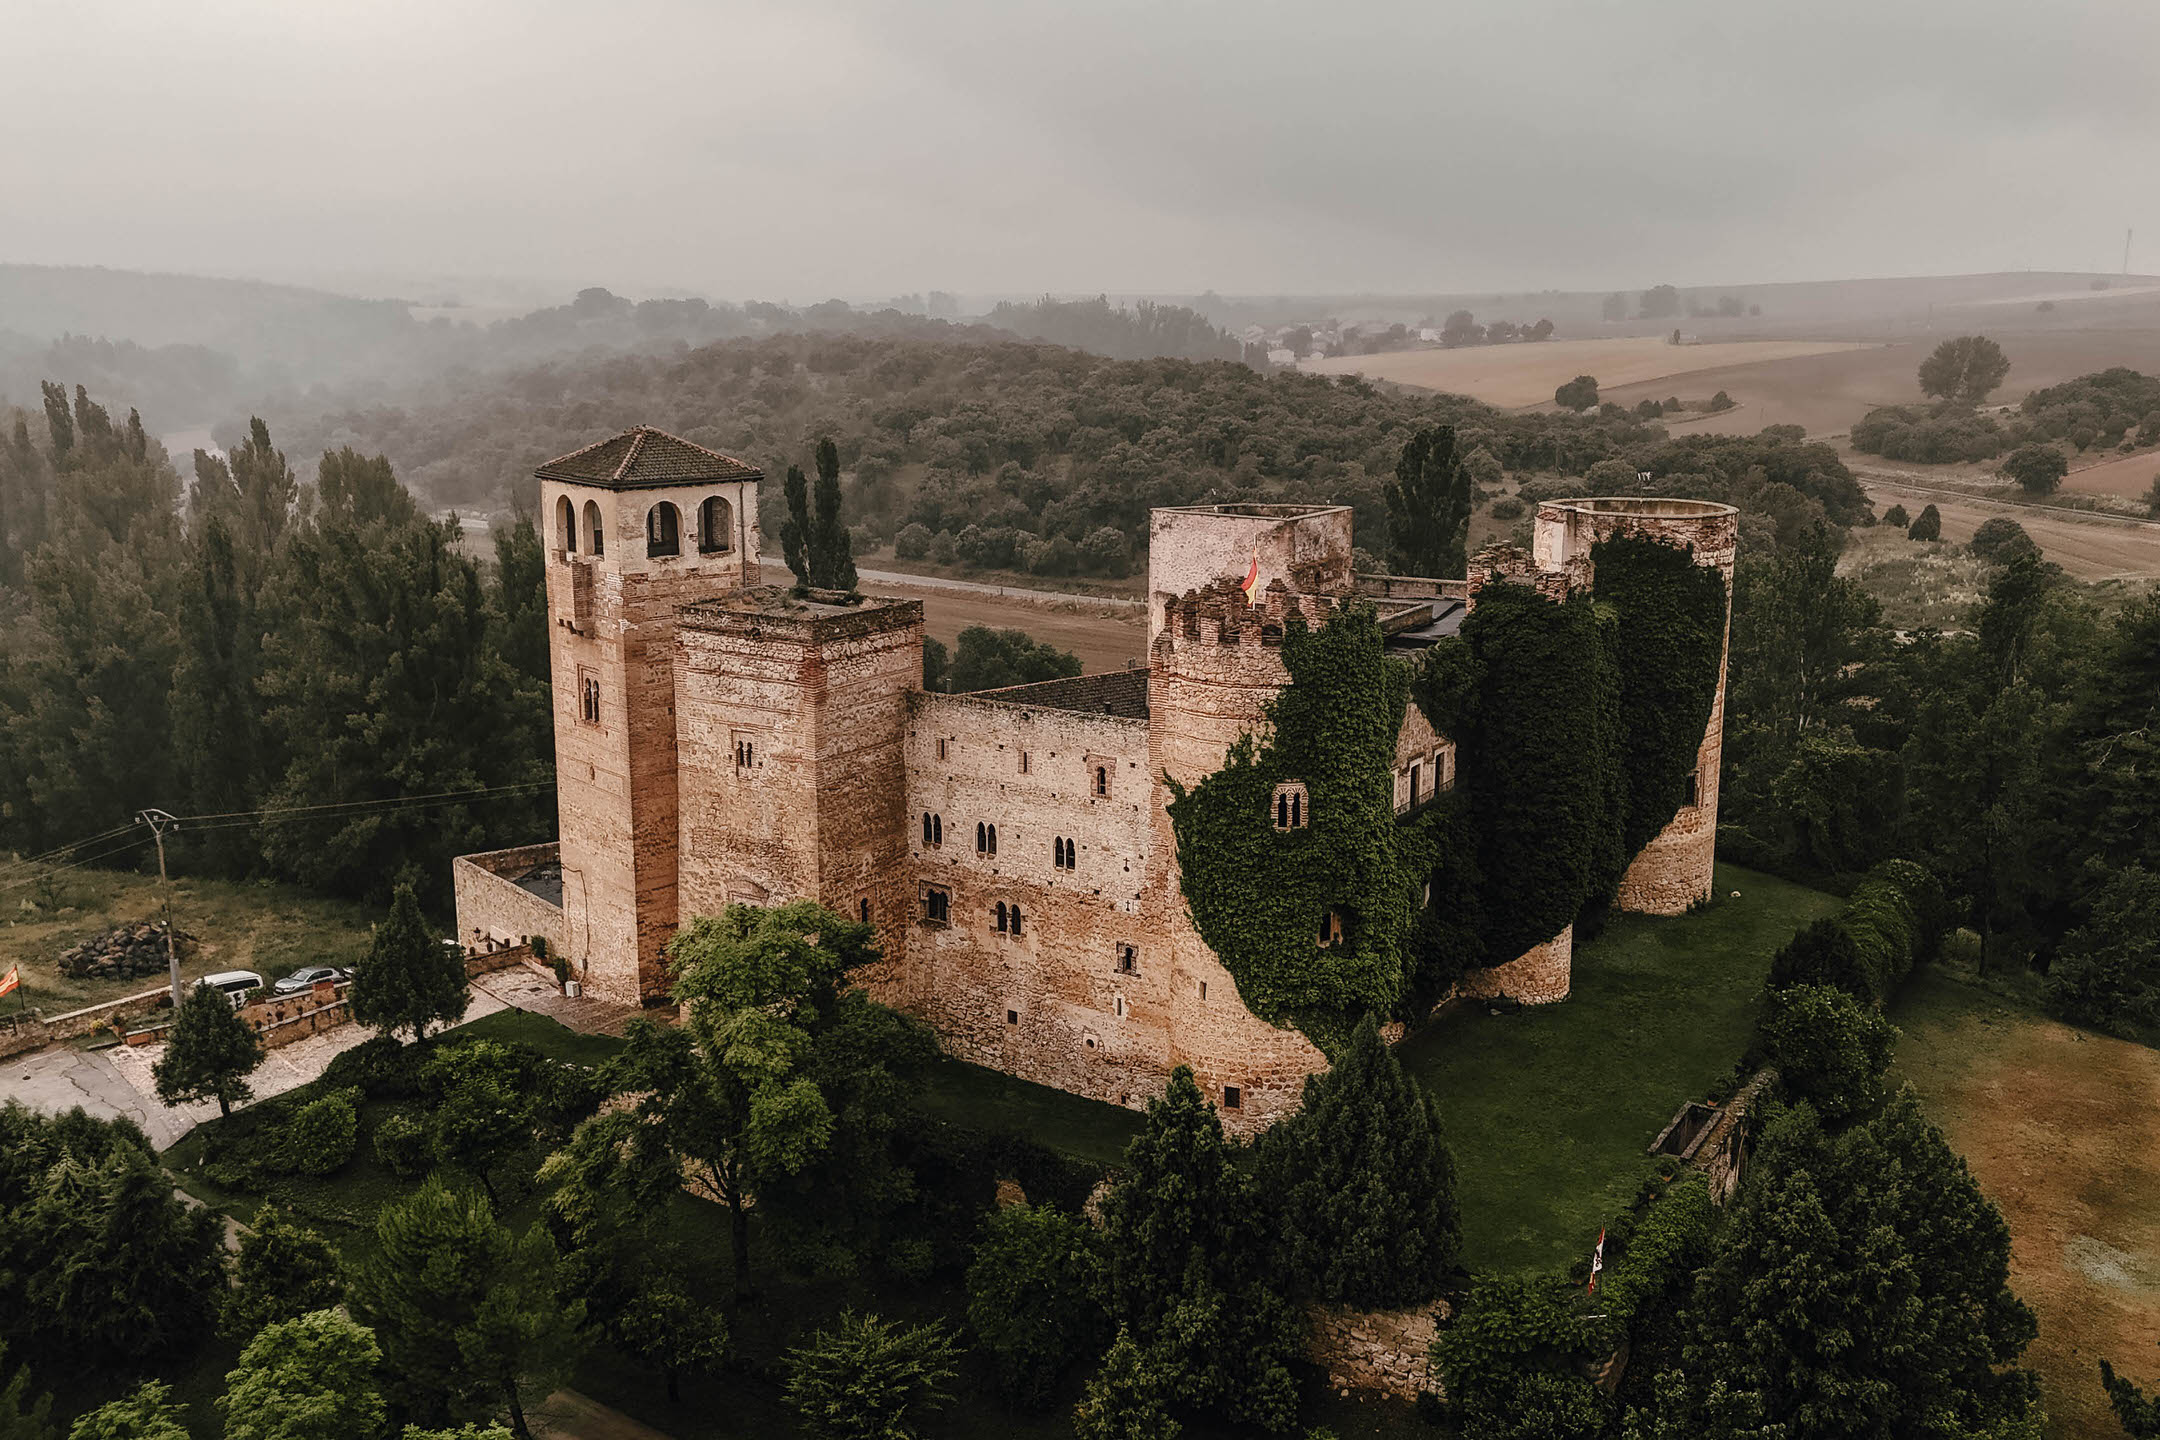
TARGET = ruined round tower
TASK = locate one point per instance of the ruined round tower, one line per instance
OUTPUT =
(1674, 869)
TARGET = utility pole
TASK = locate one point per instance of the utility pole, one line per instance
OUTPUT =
(159, 822)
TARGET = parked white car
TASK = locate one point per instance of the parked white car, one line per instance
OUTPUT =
(238, 985)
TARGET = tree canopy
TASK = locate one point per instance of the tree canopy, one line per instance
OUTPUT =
(1964, 369)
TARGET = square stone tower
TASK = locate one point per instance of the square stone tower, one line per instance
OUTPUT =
(639, 526)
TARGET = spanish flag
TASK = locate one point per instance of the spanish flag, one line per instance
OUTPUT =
(1252, 575)
(10, 980)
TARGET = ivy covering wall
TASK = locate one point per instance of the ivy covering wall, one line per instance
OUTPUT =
(1260, 895)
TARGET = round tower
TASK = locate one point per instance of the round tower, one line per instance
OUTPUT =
(1674, 869)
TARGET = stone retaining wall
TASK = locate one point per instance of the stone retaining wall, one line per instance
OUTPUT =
(1386, 1351)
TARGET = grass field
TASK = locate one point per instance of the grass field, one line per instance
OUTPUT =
(1512, 376)
(271, 929)
(2062, 1129)
(2131, 475)
(1550, 1112)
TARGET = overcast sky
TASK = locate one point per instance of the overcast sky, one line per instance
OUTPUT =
(815, 148)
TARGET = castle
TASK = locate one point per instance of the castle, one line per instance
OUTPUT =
(720, 739)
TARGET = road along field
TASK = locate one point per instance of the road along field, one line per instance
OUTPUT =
(2090, 547)
(1513, 376)
(2061, 1127)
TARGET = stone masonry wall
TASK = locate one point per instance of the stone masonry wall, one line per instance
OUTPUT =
(496, 906)
(1385, 1351)
(1540, 976)
(1050, 1004)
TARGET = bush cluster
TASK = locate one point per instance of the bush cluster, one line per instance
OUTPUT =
(1938, 435)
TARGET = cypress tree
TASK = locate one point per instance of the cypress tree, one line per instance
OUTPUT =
(1363, 1184)
(795, 530)
(409, 977)
(1189, 1273)
(832, 562)
(209, 1054)
(1428, 506)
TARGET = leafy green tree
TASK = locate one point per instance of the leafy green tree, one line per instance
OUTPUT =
(484, 1110)
(149, 1413)
(320, 1136)
(1127, 1398)
(1363, 1184)
(863, 1378)
(1823, 953)
(936, 663)
(216, 727)
(1896, 516)
(308, 1378)
(1032, 1302)
(1830, 1049)
(2000, 539)
(458, 1432)
(673, 1335)
(283, 1270)
(469, 1315)
(519, 602)
(1577, 394)
(1927, 525)
(1429, 506)
(1859, 1289)
(2037, 469)
(1189, 1271)
(2140, 1415)
(1511, 1362)
(354, 489)
(726, 1098)
(23, 1413)
(410, 979)
(795, 530)
(1660, 302)
(1964, 369)
(209, 1053)
(990, 659)
(2108, 972)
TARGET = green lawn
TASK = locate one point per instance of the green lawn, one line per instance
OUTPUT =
(1550, 1112)
(1089, 1130)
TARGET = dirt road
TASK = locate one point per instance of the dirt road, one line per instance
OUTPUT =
(1105, 634)
(2091, 547)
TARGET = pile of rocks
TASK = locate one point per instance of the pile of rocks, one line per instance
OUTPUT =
(122, 953)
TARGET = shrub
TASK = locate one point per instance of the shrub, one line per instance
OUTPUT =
(283, 1270)
(867, 1379)
(1896, 515)
(1509, 507)
(1829, 1049)
(913, 541)
(1486, 471)
(1578, 394)
(1884, 917)
(1824, 954)
(1939, 436)
(320, 1136)
(1031, 1299)
(1509, 1362)
(2038, 469)
(381, 1069)
(1551, 487)
(1721, 402)
(1928, 525)
(403, 1146)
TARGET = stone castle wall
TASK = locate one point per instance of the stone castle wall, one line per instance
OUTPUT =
(1541, 975)
(492, 903)
(1384, 1351)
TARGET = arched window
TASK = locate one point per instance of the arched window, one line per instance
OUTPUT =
(565, 526)
(595, 537)
(993, 839)
(864, 910)
(937, 830)
(1001, 917)
(715, 526)
(663, 531)
(1102, 780)
(589, 701)
(1331, 928)
(1014, 914)
(1282, 811)
(926, 827)
(981, 843)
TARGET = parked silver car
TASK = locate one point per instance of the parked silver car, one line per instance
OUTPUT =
(307, 977)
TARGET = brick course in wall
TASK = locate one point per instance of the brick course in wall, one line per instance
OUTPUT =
(719, 741)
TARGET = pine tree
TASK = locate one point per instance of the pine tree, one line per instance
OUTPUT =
(468, 1314)
(832, 563)
(308, 1378)
(209, 1054)
(216, 723)
(1125, 1399)
(283, 1270)
(1428, 506)
(1363, 1184)
(2140, 1415)
(410, 977)
(22, 1413)
(1189, 1273)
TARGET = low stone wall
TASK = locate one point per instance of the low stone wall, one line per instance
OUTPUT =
(1539, 977)
(278, 1019)
(1721, 1152)
(1386, 1351)
(97, 1017)
(492, 906)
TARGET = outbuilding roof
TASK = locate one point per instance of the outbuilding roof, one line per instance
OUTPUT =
(642, 458)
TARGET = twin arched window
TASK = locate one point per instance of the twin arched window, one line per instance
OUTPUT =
(1062, 853)
(985, 839)
(663, 531)
(933, 829)
(716, 526)
(1291, 806)
(589, 701)
(1007, 918)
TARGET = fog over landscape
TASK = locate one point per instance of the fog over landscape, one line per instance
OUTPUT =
(809, 149)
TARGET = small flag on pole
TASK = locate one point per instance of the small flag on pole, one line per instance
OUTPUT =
(10, 980)
(1252, 575)
(1597, 1261)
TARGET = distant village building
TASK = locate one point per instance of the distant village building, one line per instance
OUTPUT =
(720, 739)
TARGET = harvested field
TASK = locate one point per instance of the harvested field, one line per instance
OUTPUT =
(1105, 637)
(1513, 376)
(2089, 547)
(2131, 475)
(2062, 1129)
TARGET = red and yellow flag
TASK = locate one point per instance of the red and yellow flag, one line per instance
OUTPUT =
(10, 980)
(1252, 576)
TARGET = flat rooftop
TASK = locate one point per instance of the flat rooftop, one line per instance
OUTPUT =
(1118, 693)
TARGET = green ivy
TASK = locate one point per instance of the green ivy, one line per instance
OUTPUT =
(1259, 895)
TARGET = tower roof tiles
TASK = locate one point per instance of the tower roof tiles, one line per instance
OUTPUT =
(642, 458)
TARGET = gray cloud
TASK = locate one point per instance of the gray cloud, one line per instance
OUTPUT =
(825, 147)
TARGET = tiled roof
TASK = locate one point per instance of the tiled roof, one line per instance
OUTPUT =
(642, 458)
(1122, 693)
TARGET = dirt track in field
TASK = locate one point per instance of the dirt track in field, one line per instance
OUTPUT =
(1105, 637)
(2061, 1127)
(1511, 376)
(2090, 548)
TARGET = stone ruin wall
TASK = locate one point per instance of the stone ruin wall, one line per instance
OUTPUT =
(1388, 1352)
(1541, 975)
(1043, 1005)
(491, 902)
